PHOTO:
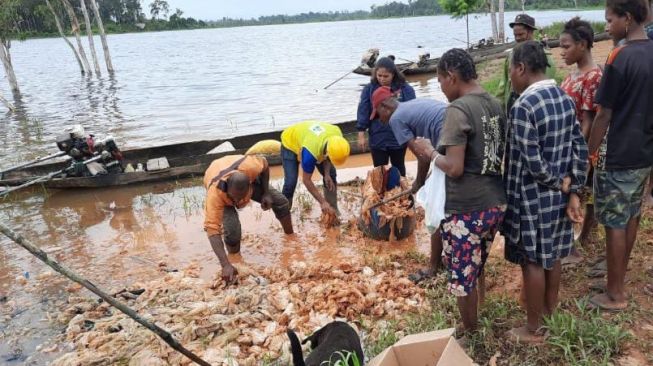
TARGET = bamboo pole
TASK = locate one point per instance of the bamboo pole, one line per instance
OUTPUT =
(75, 28)
(103, 36)
(162, 333)
(89, 33)
(57, 22)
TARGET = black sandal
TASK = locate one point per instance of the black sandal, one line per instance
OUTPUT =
(420, 275)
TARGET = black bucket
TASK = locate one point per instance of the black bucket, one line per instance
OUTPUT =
(383, 232)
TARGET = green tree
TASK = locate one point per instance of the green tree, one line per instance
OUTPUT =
(461, 8)
(159, 7)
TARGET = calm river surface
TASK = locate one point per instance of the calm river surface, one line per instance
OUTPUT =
(201, 84)
(182, 86)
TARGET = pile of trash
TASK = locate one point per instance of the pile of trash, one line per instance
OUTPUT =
(235, 325)
(374, 191)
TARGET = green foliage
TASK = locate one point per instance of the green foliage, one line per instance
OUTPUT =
(461, 8)
(343, 359)
(585, 338)
(8, 18)
(553, 31)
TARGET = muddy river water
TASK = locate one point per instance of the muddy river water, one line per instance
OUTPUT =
(115, 237)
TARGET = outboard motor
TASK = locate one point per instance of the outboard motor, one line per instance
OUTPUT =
(80, 147)
(370, 57)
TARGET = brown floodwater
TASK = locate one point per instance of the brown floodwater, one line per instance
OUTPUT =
(118, 236)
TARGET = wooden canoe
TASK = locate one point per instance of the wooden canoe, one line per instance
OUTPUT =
(431, 66)
(185, 159)
(479, 55)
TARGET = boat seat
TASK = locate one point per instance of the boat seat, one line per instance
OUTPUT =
(157, 164)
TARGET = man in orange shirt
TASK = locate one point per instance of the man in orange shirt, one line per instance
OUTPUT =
(231, 182)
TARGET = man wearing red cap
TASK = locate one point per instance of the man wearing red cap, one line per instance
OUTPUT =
(417, 118)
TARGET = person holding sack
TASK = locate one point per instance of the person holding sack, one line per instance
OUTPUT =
(470, 152)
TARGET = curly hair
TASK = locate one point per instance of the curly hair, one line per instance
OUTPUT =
(638, 9)
(460, 61)
(580, 30)
(388, 63)
(532, 55)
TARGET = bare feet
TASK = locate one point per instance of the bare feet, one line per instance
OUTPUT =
(606, 303)
(525, 336)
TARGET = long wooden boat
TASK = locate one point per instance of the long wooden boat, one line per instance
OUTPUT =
(185, 159)
(431, 66)
(479, 55)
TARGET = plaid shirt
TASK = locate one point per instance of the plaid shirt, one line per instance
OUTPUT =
(545, 145)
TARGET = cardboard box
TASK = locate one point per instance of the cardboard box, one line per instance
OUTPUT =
(425, 349)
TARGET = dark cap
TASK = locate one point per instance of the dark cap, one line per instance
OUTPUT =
(525, 20)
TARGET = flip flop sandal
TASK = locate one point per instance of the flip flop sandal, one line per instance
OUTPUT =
(648, 289)
(596, 261)
(596, 273)
(571, 261)
(599, 286)
(592, 304)
(419, 276)
(601, 265)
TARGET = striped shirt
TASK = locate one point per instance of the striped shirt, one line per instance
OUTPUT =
(545, 145)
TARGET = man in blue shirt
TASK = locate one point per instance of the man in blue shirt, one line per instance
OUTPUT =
(417, 118)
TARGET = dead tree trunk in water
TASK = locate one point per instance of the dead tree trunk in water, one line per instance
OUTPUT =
(75, 25)
(493, 19)
(502, 25)
(89, 33)
(103, 36)
(57, 22)
(7, 104)
(5, 57)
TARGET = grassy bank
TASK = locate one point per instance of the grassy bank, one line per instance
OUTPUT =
(554, 30)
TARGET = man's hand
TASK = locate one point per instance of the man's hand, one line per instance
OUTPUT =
(362, 141)
(416, 186)
(266, 202)
(566, 185)
(574, 209)
(422, 148)
(327, 209)
(229, 274)
(330, 184)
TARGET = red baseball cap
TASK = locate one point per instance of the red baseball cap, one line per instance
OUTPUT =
(380, 95)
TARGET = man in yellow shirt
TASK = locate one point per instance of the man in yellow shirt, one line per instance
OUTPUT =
(231, 182)
(316, 145)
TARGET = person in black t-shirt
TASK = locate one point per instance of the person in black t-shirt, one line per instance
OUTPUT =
(621, 142)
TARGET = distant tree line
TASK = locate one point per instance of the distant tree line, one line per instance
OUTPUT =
(433, 7)
(34, 19)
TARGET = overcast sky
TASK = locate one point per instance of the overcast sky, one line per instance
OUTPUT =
(216, 9)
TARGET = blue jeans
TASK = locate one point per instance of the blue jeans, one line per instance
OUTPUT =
(290, 164)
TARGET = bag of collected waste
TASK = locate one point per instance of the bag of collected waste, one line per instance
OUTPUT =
(265, 147)
(432, 197)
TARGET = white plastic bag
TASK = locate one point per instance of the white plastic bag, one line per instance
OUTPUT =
(432, 197)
